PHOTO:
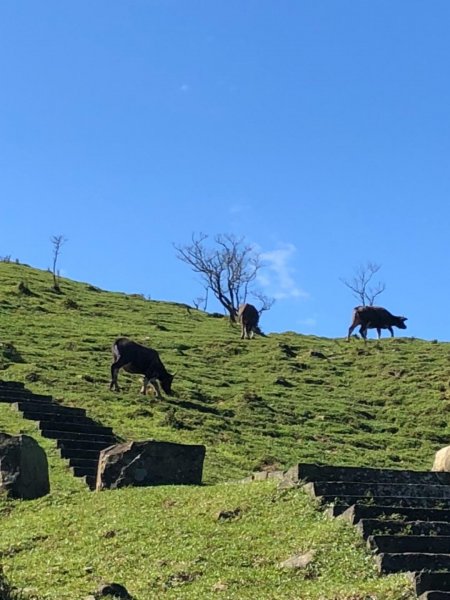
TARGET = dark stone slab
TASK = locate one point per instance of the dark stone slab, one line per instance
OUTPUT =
(385, 527)
(435, 595)
(355, 513)
(314, 472)
(78, 453)
(56, 417)
(393, 502)
(424, 581)
(368, 490)
(411, 561)
(150, 463)
(57, 434)
(394, 544)
(75, 427)
(84, 471)
(34, 412)
(84, 463)
(86, 444)
(18, 385)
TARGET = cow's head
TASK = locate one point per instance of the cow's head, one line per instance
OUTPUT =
(166, 383)
(401, 322)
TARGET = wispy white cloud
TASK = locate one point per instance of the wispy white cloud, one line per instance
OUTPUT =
(278, 275)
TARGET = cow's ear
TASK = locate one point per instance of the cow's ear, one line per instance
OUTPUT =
(404, 318)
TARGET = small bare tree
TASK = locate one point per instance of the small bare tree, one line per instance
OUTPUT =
(360, 283)
(201, 302)
(228, 267)
(57, 241)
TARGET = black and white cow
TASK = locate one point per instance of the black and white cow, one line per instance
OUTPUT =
(135, 358)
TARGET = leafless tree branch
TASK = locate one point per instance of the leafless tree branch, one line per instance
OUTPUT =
(57, 241)
(359, 283)
(228, 267)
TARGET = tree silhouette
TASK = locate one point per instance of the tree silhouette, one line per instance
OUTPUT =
(228, 267)
(360, 283)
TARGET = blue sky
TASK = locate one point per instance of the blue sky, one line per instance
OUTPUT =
(319, 130)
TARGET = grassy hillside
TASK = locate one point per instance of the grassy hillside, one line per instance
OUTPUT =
(271, 401)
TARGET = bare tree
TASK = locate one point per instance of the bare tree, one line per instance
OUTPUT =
(201, 302)
(228, 267)
(57, 241)
(360, 283)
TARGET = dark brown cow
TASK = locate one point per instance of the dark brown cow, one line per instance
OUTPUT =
(248, 318)
(135, 358)
(374, 317)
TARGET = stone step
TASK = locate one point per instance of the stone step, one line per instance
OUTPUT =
(314, 472)
(79, 438)
(85, 445)
(355, 513)
(369, 490)
(394, 544)
(34, 410)
(424, 581)
(13, 396)
(82, 436)
(75, 427)
(84, 463)
(344, 502)
(411, 561)
(85, 471)
(11, 385)
(77, 453)
(435, 595)
(58, 417)
(91, 481)
(386, 527)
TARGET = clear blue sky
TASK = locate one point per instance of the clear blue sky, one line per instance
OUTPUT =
(318, 129)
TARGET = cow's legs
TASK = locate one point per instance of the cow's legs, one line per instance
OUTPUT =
(363, 332)
(113, 386)
(118, 364)
(242, 331)
(392, 331)
(350, 330)
(155, 385)
(144, 386)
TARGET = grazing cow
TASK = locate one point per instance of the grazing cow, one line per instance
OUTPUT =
(248, 318)
(374, 317)
(135, 358)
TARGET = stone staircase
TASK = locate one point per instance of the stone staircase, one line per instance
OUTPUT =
(403, 515)
(78, 437)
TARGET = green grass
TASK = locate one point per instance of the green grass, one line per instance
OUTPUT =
(169, 542)
(268, 401)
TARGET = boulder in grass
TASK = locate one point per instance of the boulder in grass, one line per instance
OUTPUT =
(150, 463)
(23, 467)
(298, 561)
(442, 460)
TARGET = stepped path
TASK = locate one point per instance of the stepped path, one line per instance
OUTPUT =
(79, 438)
(403, 515)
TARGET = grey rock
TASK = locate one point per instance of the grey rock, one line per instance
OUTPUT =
(23, 467)
(150, 463)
